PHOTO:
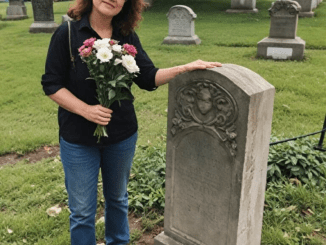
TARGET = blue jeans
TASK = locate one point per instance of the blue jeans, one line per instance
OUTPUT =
(81, 167)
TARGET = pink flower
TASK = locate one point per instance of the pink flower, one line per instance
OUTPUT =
(112, 42)
(86, 52)
(130, 49)
(81, 48)
(89, 42)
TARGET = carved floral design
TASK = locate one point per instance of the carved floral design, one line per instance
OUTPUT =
(291, 6)
(206, 104)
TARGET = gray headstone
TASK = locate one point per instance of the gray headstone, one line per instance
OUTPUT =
(306, 7)
(43, 17)
(181, 26)
(16, 10)
(219, 124)
(282, 42)
(243, 6)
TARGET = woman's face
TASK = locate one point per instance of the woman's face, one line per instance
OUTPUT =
(108, 8)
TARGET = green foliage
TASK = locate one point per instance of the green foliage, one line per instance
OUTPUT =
(147, 181)
(151, 219)
(297, 159)
(135, 235)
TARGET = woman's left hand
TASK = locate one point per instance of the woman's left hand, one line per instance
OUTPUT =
(200, 64)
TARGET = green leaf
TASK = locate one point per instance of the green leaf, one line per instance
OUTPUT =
(113, 83)
(310, 175)
(120, 77)
(123, 84)
(295, 169)
(294, 160)
(111, 94)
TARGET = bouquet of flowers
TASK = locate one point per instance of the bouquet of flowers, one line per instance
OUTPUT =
(113, 67)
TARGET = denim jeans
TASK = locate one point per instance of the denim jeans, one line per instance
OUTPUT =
(81, 167)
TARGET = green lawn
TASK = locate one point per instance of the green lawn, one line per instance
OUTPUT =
(29, 119)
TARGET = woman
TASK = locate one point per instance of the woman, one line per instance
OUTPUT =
(79, 113)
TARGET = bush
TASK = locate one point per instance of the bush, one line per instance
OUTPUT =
(147, 180)
(296, 159)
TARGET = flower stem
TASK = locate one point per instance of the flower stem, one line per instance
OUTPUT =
(100, 131)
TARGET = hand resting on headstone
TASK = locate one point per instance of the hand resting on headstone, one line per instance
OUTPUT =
(163, 76)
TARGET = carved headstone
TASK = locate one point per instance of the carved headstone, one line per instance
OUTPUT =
(219, 124)
(282, 42)
(181, 26)
(306, 7)
(16, 10)
(243, 6)
(43, 17)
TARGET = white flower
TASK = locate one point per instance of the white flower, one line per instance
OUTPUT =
(117, 61)
(106, 40)
(117, 48)
(104, 55)
(102, 43)
(129, 63)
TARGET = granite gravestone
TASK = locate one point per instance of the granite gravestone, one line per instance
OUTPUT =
(43, 17)
(181, 26)
(16, 10)
(306, 7)
(219, 124)
(282, 42)
(243, 6)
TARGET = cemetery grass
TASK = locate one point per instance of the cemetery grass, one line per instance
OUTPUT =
(29, 118)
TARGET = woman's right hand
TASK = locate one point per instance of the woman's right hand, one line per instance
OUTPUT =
(98, 114)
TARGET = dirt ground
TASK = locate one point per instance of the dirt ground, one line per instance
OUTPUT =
(52, 151)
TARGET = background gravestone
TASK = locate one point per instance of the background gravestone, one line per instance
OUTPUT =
(282, 42)
(181, 26)
(16, 10)
(219, 124)
(243, 6)
(306, 7)
(43, 17)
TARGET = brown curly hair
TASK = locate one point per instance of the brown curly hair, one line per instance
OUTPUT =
(127, 20)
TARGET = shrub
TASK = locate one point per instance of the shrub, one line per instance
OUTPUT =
(296, 159)
(147, 180)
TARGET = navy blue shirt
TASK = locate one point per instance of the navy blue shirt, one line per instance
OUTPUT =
(60, 73)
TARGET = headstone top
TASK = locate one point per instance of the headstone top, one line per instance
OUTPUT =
(177, 12)
(290, 7)
(16, 2)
